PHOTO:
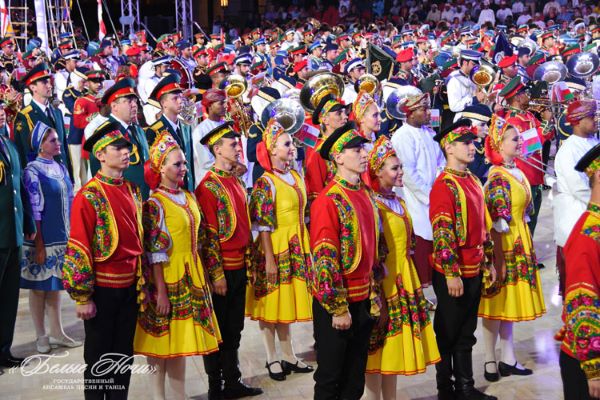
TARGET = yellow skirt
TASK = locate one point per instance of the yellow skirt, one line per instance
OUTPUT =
(191, 327)
(289, 299)
(519, 297)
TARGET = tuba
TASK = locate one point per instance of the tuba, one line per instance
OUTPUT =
(287, 112)
(368, 83)
(235, 86)
(318, 86)
(550, 72)
(583, 65)
(396, 99)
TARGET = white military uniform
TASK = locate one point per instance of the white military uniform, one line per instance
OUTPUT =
(573, 187)
(144, 90)
(460, 91)
(349, 94)
(422, 160)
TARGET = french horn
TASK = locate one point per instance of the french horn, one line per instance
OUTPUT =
(319, 86)
(287, 112)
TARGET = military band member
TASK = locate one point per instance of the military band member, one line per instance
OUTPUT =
(479, 115)
(146, 86)
(353, 70)
(122, 100)
(168, 96)
(16, 224)
(579, 358)
(38, 81)
(462, 253)
(9, 55)
(421, 160)
(225, 255)
(462, 92)
(102, 275)
(330, 115)
(86, 108)
(74, 135)
(347, 269)
(315, 50)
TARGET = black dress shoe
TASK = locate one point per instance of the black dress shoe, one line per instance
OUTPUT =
(288, 368)
(276, 376)
(490, 376)
(11, 362)
(507, 370)
(541, 266)
(239, 389)
(446, 394)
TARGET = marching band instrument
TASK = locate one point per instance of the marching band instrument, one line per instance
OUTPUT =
(539, 166)
(583, 65)
(550, 72)
(396, 99)
(287, 112)
(368, 83)
(483, 74)
(319, 86)
(235, 86)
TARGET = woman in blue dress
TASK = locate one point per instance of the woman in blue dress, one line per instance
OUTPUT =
(51, 193)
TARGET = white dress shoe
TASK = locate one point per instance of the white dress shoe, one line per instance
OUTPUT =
(64, 341)
(42, 344)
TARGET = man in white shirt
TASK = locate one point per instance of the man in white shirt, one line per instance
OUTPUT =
(353, 69)
(518, 7)
(422, 160)
(573, 187)
(503, 13)
(146, 86)
(486, 14)
(213, 101)
(448, 13)
(462, 92)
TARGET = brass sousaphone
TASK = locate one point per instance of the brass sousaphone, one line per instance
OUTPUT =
(319, 86)
(583, 65)
(368, 83)
(235, 86)
(287, 112)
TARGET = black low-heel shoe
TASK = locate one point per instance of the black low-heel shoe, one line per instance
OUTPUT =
(490, 376)
(288, 368)
(507, 370)
(276, 376)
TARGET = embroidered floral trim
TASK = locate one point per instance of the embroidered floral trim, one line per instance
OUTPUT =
(169, 190)
(220, 172)
(594, 208)
(591, 226)
(211, 253)
(497, 196)
(582, 323)
(344, 183)
(156, 236)
(461, 225)
(407, 313)
(292, 264)
(456, 172)
(225, 213)
(187, 301)
(106, 235)
(520, 267)
(350, 240)
(445, 245)
(78, 274)
(328, 284)
(108, 180)
(262, 207)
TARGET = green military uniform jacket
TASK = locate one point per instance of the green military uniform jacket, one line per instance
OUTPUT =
(17, 217)
(183, 139)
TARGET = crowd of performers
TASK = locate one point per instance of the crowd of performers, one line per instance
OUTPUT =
(174, 191)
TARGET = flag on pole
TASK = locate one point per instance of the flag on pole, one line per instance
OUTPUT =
(6, 26)
(531, 141)
(101, 26)
(502, 48)
(308, 134)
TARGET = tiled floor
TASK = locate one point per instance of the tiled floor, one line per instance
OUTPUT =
(535, 348)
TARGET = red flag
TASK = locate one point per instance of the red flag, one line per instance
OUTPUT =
(101, 26)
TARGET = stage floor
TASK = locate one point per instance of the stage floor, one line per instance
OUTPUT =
(534, 342)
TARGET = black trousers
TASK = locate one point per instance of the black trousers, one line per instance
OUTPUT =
(341, 355)
(110, 331)
(455, 318)
(10, 277)
(575, 384)
(536, 199)
(229, 310)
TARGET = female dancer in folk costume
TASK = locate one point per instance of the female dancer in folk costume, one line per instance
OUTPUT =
(280, 294)
(517, 294)
(367, 116)
(405, 345)
(51, 193)
(178, 319)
